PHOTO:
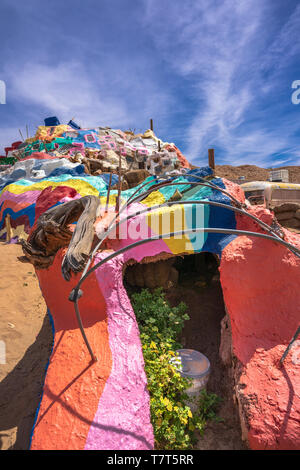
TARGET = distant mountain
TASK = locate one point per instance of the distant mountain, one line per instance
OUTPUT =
(254, 173)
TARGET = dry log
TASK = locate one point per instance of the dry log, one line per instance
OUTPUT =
(82, 239)
(52, 233)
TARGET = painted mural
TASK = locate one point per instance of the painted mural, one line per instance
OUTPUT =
(104, 404)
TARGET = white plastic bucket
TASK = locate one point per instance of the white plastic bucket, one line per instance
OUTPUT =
(195, 366)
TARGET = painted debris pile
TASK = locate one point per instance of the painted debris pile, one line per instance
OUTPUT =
(100, 149)
(81, 223)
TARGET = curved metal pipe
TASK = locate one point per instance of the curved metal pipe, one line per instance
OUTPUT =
(290, 345)
(203, 202)
(114, 219)
(166, 183)
(192, 183)
(112, 227)
(75, 292)
(154, 188)
(142, 196)
(183, 232)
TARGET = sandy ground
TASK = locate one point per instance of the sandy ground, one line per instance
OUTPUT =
(26, 331)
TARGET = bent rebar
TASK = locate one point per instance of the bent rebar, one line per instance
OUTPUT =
(75, 292)
(290, 345)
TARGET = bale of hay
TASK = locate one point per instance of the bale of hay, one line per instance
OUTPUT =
(287, 207)
(292, 223)
(280, 216)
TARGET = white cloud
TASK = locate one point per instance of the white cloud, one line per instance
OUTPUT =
(65, 90)
(285, 45)
(224, 48)
(69, 90)
(218, 50)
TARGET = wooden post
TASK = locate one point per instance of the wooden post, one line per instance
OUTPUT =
(119, 188)
(151, 124)
(21, 135)
(108, 193)
(211, 158)
(8, 228)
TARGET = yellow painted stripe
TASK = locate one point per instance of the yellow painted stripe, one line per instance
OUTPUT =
(82, 187)
(154, 198)
(171, 219)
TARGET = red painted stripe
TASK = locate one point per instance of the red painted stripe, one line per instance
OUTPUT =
(72, 387)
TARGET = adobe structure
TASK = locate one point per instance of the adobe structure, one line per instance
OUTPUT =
(62, 197)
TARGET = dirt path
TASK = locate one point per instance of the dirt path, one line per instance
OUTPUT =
(26, 331)
(202, 332)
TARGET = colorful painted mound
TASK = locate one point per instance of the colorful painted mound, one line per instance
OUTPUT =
(105, 404)
(100, 149)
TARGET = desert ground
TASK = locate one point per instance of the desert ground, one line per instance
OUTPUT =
(27, 333)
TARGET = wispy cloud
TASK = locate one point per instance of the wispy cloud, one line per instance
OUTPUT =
(211, 74)
(224, 48)
(68, 90)
(285, 45)
(65, 90)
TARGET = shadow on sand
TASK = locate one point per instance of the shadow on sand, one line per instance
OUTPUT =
(21, 389)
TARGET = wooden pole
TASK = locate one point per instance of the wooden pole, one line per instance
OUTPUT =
(108, 192)
(151, 124)
(21, 135)
(211, 158)
(119, 188)
(8, 228)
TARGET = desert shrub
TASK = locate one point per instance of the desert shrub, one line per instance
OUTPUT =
(160, 325)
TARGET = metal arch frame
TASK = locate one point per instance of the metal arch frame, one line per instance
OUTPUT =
(76, 293)
(157, 186)
(167, 183)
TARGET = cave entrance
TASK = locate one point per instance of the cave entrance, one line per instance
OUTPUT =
(195, 280)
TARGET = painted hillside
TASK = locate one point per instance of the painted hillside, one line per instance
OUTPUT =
(88, 203)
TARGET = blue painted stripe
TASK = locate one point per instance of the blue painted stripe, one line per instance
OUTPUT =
(46, 369)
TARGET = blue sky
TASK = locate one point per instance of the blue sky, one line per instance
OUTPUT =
(210, 73)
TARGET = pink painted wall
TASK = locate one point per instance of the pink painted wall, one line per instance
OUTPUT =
(122, 421)
(260, 282)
